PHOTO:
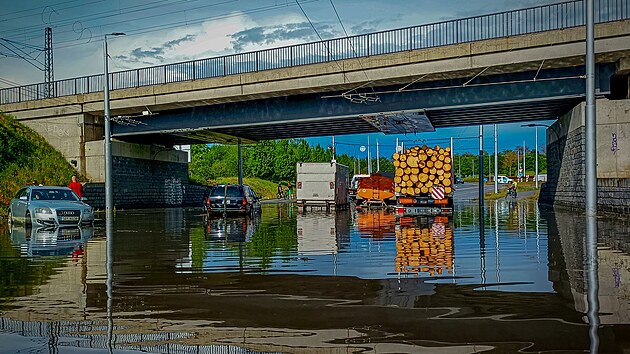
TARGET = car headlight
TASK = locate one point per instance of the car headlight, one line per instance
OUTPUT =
(88, 211)
(43, 211)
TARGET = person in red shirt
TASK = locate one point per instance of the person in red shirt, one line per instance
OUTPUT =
(76, 187)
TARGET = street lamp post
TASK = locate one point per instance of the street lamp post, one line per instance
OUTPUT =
(109, 193)
(536, 176)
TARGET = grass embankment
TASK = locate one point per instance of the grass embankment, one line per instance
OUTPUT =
(264, 188)
(522, 187)
(24, 157)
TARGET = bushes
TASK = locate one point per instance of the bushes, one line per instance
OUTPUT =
(25, 156)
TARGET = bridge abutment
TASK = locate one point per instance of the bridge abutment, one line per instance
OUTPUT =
(565, 158)
(143, 176)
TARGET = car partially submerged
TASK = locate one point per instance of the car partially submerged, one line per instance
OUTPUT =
(232, 198)
(49, 206)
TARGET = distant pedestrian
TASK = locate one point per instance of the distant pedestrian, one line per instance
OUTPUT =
(280, 194)
(290, 190)
(76, 187)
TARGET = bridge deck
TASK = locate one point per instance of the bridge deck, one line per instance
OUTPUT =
(517, 65)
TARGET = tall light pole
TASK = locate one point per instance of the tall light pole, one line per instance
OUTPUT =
(109, 192)
(536, 170)
(496, 160)
(524, 155)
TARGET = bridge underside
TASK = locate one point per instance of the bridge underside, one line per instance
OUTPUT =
(417, 107)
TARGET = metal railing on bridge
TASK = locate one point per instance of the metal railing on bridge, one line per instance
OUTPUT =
(503, 24)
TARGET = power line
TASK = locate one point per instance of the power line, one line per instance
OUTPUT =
(177, 24)
(355, 54)
(106, 14)
(322, 41)
(37, 8)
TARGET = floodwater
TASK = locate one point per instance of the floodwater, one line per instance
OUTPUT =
(316, 283)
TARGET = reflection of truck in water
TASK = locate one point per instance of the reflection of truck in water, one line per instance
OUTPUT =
(424, 245)
(423, 181)
(376, 224)
(319, 233)
(322, 184)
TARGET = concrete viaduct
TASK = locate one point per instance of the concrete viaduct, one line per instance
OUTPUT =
(521, 65)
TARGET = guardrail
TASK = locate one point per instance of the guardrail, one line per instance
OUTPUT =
(503, 24)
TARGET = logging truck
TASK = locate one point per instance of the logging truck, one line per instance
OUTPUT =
(423, 181)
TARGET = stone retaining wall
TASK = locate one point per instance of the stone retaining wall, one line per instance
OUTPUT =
(142, 183)
(566, 150)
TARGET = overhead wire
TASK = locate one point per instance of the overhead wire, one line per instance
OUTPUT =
(354, 51)
(161, 27)
(38, 8)
(27, 57)
(322, 41)
(106, 14)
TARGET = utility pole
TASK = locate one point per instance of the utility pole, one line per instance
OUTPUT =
(49, 73)
(369, 158)
(496, 160)
(481, 184)
(536, 177)
(378, 158)
(109, 190)
(524, 154)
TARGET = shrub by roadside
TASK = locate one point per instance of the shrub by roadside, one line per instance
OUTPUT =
(24, 157)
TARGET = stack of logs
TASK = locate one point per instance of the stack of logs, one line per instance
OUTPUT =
(420, 168)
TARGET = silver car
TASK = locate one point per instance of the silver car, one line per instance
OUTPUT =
(49, 206)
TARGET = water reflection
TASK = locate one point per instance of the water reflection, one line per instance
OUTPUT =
(424, 245)
(173, 281)
(50, 241)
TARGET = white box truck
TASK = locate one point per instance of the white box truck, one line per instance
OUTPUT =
(322, 184)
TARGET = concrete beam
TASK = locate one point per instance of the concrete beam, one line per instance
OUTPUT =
(517, 53)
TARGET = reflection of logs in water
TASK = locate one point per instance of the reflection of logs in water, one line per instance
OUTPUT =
(424, 249)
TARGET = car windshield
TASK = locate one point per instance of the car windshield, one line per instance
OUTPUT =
(53, 194)
(232, 191)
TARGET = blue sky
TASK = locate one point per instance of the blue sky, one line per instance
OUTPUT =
(167, 31)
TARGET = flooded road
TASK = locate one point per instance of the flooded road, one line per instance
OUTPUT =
(315, 283)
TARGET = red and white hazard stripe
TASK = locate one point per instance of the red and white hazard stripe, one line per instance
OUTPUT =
(437, 192)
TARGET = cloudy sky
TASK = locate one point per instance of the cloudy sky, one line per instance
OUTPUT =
(167, 31)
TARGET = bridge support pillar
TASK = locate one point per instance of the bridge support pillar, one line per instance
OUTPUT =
(144, 176)
(566, 148)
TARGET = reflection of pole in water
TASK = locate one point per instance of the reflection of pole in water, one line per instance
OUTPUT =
(496, 239)
(537, 233)
(110, 277)
(525, 211)
(592, 281)
(482, 246)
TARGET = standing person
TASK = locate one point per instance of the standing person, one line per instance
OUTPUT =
(76, 187)
(280, 192)
(290, 190)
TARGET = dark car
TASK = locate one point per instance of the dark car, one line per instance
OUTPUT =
(459, 180)
(232, 198)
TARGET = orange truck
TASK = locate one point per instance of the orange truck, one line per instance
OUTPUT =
(376, 190)
(423, 181)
